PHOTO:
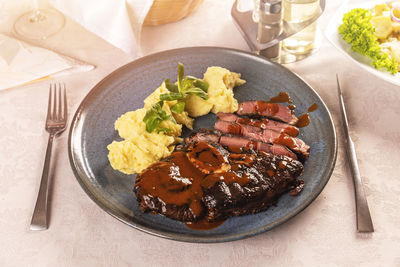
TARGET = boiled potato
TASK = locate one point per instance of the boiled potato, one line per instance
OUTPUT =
(395, 27)
(197, 106)
(380, 8)
(220, 93)
(382, 25)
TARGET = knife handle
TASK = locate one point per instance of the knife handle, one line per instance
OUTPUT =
(364, 221)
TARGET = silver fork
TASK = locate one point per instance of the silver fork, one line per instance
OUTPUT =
(56, 123)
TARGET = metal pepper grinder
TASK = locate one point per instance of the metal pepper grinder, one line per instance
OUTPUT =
(270, 26)
(265, 35)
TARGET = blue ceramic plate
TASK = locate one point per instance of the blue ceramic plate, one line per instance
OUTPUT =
(125, 89)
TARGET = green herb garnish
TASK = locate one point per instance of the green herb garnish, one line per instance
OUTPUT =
(185, 86)
(178, 108)
(358, 31)
(155, 115)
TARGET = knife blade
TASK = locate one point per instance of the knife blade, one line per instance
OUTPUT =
(364, 221)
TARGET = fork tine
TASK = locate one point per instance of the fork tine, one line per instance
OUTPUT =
(54, 114)
(59, 115)
(65, 104)
(49, 104)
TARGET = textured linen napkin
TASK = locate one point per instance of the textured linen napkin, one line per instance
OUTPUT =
(118, 21)
(21, 63)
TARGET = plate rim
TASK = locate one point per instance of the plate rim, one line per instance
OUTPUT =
(185, 237)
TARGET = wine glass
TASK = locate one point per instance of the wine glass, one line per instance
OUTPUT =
(39, 23)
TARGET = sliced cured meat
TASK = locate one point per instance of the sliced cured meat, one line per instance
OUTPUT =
(238, 144)
(262, 123)
(270, 110)
(267, 136)
(205, 135)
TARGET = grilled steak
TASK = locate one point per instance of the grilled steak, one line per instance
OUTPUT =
(204, 135)
(238, 144)
(269, 177)
(205, 181)
(265, 109)
(267, 136)
(262, 123)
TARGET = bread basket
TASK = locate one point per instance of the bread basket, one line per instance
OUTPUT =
(166, 11)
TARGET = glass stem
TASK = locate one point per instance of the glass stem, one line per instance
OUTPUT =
(35, 4)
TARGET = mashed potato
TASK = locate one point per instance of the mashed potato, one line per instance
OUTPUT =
(220, 93)
(140, 148)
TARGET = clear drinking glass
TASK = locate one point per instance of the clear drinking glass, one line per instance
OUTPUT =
(39, 23)
(299, 11)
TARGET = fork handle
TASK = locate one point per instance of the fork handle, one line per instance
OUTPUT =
(39, 218)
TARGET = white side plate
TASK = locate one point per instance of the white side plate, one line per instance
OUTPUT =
(335, 38)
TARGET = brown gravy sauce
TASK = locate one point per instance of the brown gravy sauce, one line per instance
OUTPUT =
(263, 107)
(176, 182)
(285, 140)
(291, 130)
(304, 119)
(261, 123)
(207, 158)
(228, 177)
(247, 147)
(312, 108)
(282, 97)
(181, 180)
(235, 128)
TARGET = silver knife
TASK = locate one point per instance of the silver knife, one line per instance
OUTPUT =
(364, 221)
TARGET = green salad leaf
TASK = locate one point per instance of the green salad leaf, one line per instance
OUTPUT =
(358, 31)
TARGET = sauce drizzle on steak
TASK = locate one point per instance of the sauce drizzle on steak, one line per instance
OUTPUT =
(205, 182)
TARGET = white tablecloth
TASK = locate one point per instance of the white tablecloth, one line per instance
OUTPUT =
(82, 234)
